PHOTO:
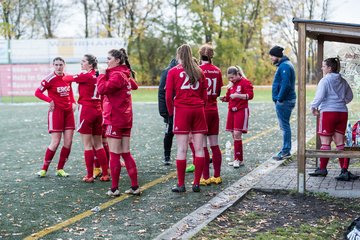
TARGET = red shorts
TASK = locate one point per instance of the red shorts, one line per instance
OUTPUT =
(331, 122)
(238, 121)
(60, 120)
(89, 120)
(212, 120)
(188, 120)
(118, 133)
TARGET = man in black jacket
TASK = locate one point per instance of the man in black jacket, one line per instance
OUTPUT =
(169, 135)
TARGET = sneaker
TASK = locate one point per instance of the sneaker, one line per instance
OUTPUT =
(352, 176)
(343, 176)
(196, 188)
(133, 192)
(166, 161)
(105, 178)
(179, 189)
(190, 168)
(61, 173)
(115, 193)
(319, 173)
(216, 180)
(236, 164)
(231, 163)
(42, 173)
(281, 156)
(88, 179)
(97, 173)
(205, 182)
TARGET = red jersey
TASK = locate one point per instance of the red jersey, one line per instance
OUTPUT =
(243, 86)
(58, 91)
(180, 93)
(116, 87)
(214, 80)
(88, 94)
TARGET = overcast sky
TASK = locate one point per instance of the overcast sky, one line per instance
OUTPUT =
(345, 11)
(340, 11)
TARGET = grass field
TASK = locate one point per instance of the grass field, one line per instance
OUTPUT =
(60, 208)
(262, 94)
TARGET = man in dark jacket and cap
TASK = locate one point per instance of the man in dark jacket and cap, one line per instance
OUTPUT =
(169, 135)
(284, 97)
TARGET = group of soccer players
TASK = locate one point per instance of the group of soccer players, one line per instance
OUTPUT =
(105, 115)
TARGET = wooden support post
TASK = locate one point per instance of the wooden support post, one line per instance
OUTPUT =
(319, 75)
(301, 114)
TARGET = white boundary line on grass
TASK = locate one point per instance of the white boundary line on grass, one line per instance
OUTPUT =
(195, 221)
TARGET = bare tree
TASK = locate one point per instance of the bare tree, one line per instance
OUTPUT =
(88, 9)
(49, 13)
(14, 18)
(108, 11)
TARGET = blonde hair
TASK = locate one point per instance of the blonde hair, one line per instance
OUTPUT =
(184, 53)
(236, 70)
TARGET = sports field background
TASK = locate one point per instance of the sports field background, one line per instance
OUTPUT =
(29, 204)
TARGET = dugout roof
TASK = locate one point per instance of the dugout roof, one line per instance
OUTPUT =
(321, 31)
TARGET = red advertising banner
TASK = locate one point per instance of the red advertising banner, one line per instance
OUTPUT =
(22, 79)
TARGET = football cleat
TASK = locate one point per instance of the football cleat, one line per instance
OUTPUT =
(42, 173)
(97, 172)
(133, 192)
(115, 193)
(88, 179)
(61, 173)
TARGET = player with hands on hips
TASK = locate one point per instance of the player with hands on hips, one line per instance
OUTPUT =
(60, 116)
(90, 117)
(240, 91)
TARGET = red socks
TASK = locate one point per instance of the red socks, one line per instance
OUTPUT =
(103, 161)
(89, 162)
(107, 151)
(96, 160)
(217, 159)
(324, 161)
(49, 155)
(180, 168)
(131, 168)
(238, 150)
(344, 162)
(206, 171)
(115, 170)
(199, 167)
(64, 154)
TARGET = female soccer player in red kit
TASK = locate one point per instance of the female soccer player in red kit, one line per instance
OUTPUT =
(186, 96)
(116, 83)
(214, 79)
(90, 117)
(60, 115)
(239, 92)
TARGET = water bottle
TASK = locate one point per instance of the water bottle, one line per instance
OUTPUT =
(357, 136)
(348, 135)
(228, 151)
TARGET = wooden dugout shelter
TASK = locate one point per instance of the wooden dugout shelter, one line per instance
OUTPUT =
(321, 31)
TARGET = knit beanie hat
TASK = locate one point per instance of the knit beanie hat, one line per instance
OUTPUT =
(276, 51)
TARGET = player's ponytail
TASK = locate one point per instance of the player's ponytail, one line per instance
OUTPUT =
(333, 63)
(91, 60)
(206, 53)
(127, 63)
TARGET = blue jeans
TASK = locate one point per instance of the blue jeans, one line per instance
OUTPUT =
(283, 112)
